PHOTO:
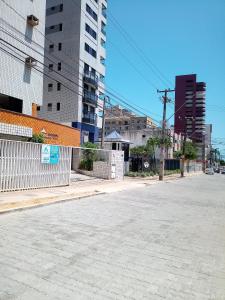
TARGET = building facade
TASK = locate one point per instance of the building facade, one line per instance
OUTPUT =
(140, 138)
(21, 54)
(75, 64)
(122, 120)
(190, 110)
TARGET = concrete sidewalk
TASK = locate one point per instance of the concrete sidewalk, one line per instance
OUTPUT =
(18, 200)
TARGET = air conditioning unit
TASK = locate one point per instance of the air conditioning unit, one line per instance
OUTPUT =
(32, 20)
(30, 61)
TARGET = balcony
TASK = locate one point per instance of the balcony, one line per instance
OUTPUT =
(90, 118)
(91, 79)
(90, 98)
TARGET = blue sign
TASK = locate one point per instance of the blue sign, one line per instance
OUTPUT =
(50, 154)
(54, 155)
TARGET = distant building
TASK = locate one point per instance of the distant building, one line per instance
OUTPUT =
(140, 138)
(123, 120)
(22, 42)
(190, 110)
(75, 49)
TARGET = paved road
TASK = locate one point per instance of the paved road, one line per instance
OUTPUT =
(166, 241)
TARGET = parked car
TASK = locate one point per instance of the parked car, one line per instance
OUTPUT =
(209, 171)
(217, 170)
(223, 171)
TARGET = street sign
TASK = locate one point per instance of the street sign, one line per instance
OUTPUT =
(54, 154)
(50, 154)
(146, 164)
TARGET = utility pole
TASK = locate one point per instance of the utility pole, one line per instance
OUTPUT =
(162, 146)
(184, 146)
(183, 155)
(103, 122)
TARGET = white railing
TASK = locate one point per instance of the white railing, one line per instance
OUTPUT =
(21, 167)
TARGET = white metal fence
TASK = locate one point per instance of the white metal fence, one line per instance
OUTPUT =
(21, 167)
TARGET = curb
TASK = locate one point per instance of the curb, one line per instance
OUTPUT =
(70, 197)
(39, 202)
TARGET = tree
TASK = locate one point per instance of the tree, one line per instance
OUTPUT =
(190, 152)
(222, 162)
(37, 138)
(89, 155)
(139, 151)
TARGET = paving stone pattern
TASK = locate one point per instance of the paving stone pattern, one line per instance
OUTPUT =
(166, 241)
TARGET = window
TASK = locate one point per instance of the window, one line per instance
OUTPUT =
(58, 106)
(103, 26)
(104, 11)
(91, 12)
(59, 66)
(54, 9)
(49, 106)
(53, 29)
(50, 87)
(50, 67)
(86, 68)
(90, 50)
(102, 60)
(60, 46)
(91, 31)
(102, 78)
(51, 47)
(38, 108)
(103, 43)
(58, 86)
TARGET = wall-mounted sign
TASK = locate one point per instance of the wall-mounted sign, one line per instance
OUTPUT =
(146, 164)
(50, 154)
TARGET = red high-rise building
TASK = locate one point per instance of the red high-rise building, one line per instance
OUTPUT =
(190, 108)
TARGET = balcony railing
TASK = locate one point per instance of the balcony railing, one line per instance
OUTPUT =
(90, 98)
(91, 78)
(90, 118)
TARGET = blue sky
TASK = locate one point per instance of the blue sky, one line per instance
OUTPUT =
(179, 37)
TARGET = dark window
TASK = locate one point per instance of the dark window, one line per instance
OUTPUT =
(50, 87)
(90, 31)
(91, 12)
(38, 108)
(86, 68)
(60, 46)
(51, 47)
(59, 66)
(90, 50)
(58, 106)
(54, 9)
(49, 106)
(50, 67)
(53, 29)
(58, 86)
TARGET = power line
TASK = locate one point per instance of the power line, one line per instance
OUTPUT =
(121, 100)
(134, 45)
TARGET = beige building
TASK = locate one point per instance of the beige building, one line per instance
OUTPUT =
(123, 120)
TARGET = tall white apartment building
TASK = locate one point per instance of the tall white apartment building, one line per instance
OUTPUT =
(75, 64)
(22, 29)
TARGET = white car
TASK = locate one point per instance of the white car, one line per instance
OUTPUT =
(209, 171)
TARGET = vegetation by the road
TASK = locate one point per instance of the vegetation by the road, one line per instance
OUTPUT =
(190, 151)
(151, 173)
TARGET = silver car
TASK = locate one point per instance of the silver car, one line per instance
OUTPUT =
(209, 171)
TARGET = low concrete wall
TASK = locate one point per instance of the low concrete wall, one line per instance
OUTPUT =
(111, 165)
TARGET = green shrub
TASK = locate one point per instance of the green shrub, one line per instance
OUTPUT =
(86, 164)
(37, 138)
